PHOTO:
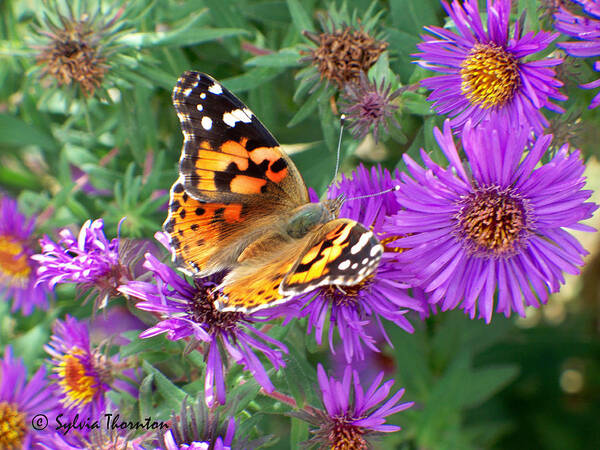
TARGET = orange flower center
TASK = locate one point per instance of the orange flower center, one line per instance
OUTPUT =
(344, 436)
(12, 426)
(78, 386)
(14, 265)
(490, 76)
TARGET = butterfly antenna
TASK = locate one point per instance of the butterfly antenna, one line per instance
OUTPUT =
(339, 146)
(375, 194)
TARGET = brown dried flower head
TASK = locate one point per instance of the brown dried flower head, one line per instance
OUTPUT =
(343, 54)
(73, 53)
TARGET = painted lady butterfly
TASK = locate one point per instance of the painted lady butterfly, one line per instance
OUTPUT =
(240, 204)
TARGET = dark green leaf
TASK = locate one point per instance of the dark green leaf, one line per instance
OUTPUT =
(300, 17)
(299, 432)
(172, 395)
(286, 57)
(15, 132)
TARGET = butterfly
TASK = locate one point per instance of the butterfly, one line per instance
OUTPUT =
(241, 205)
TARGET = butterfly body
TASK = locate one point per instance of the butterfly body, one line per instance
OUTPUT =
(241, 205)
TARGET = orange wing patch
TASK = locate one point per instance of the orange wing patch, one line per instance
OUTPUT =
(314, 263)
(197, 229)
(251, 290)
(231, 168)
(277, 167)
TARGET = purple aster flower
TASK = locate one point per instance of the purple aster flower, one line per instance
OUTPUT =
(21, 403)
(587, 30)
(492, 229)
(82, 376)
(89, 259)
(485, 74)
(17, 268)
(188, 311)
(351, 414)
(351, 309)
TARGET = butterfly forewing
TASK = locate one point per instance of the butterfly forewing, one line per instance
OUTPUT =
(227, 152)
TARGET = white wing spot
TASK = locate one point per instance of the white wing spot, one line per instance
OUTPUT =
(199, 107)
(183, 117)
(216, 89)
(237, 115)
(202, 95)
(376, 250)
(206, 123)
(344, 265)
(361, 243)
(186, 92)
(354, 266)
(229, 119)
(243, 115)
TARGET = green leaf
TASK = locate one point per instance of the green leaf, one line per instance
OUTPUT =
(381, 69)
(172, 395)
(300, 17)
(19, 180)
(442, 406)
(156, 343)
(484, 383)
(15, 132)
(415, 103)
(299, 432)
(191, 33)
(227, 13)
(307, 107)
(409, 15)
(30, 345)
(252, 78)
(145, 396)
(330, 125)
(411, 351)
(404, 45)
(286, 57)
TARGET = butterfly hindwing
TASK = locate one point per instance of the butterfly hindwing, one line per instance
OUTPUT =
(342, 252)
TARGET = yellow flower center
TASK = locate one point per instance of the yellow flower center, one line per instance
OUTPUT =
(78, 386)
(490, 76)
(14, 266)
(389, 240)
(12, 426)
